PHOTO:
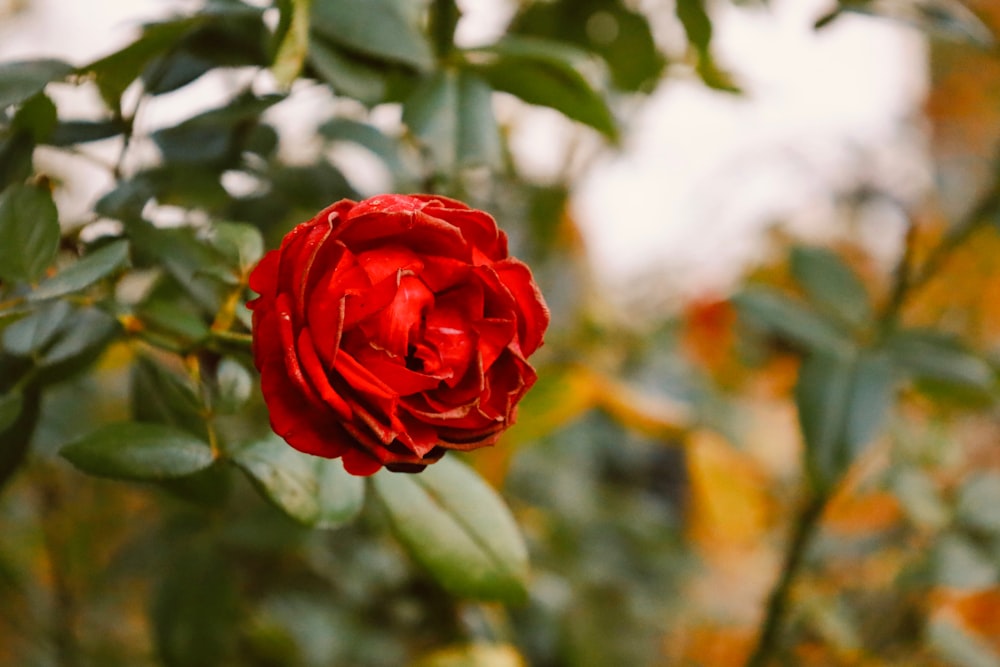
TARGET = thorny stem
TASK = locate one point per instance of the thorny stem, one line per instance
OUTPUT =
(774, 619)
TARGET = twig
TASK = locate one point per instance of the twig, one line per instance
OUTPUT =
(805, 527)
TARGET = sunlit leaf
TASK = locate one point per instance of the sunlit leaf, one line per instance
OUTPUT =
(138, 451)
(294, 45)
(456, 526)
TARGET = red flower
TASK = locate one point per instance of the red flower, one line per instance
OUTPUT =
(391, 330)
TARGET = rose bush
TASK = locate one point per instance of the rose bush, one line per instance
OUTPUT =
(391, 330)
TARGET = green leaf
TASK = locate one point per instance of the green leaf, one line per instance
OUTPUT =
(16, 436)
(456, 526)
(961, 563)
(241, 244)
(213, 135)
(452, 114)
(138, 451)
(11, 404)
(22, 79)
(294, 45)
(790, 319)
(163, 395)
(698, 28)
(29, 232)
(348, 74)
(37, 116)
(29, 335)
(376, 28)
(609, 28)
(81, 339)
(233, 386)
(384, 147)
(925, 354)
(978, 505)
(548, 74)
(84, 273)
(341, 495)
(116, 72)
(842, 401)
(831, 285)
(195, 610)
(284, 476)
(72, 132)
(16, 151)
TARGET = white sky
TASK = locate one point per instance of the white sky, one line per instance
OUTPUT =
(702, 172)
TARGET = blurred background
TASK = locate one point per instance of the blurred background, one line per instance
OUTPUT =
(690, 183)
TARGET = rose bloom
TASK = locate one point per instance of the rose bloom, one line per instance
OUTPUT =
(391, 330)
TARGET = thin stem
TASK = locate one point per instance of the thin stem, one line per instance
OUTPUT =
(238, 339)
(777, 606)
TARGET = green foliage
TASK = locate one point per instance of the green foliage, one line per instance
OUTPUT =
(29, 233)
(138, 451)
(457, 527)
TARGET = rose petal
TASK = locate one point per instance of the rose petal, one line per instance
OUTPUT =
(264, 277)
(386, 261)
(405, 314)
(317, 376)
(360, 463)
(516, 276)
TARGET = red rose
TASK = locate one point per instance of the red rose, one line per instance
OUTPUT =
(391, 330)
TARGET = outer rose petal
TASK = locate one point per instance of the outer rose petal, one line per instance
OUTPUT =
(392, 330)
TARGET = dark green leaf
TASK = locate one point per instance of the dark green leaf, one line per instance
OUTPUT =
(452, 114)
(83, 273)
(341, 495)
(213, 135)
(456, 526)
(37, 116)
(940, 357)
(29, 335)
(116, 72)
(22, 79)
(138, 451)
(842, 401)
(195, 611)
(384, 147)
(10, 408)
(696, 22)
(607, 27)
(175, 319)
(16, 151)
(29, 232)
(348, 75)
(72, 132)
(164, 395)
(82, 338)
(184, 256)
(548, 74)
(376, 28)
(15, 438)
(831, 285)
(284, 476)
(790, 319)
